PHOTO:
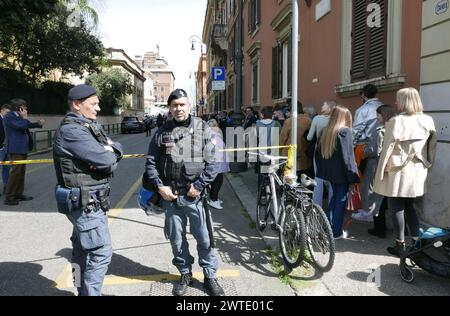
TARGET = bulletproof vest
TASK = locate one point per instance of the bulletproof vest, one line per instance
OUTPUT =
(182, 159)
(74, 173)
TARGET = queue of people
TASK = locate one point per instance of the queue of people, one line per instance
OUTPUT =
(376, 153)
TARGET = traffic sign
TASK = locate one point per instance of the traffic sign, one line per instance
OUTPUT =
(218, 85)
(218, 73)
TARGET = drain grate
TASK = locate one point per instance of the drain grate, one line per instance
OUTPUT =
(165, 288)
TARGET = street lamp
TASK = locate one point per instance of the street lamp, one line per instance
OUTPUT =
(194, 39)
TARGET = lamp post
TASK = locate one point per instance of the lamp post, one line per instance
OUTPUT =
(294, 140)
(196, 39)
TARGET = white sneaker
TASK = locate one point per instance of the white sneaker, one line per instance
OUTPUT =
(343, 236)
(220, 201)
(215, 204)
(363, 217)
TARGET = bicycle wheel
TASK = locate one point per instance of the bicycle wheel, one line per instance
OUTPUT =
(319, 236)
(292, 237)
(263, 207)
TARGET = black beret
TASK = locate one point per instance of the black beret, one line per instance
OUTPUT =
(81, 92)
(177, 94)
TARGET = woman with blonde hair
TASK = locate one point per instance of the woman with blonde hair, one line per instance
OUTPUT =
(408, 153)
(318, 124)
(336, 163)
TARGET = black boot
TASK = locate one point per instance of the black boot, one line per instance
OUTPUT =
(398, 249)
(213, 287)
(180, 289)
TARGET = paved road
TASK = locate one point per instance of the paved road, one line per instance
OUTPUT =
(35, 245)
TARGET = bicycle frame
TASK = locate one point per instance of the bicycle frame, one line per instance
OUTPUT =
(274, 181)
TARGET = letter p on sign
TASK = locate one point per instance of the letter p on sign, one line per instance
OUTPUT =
(218, 73)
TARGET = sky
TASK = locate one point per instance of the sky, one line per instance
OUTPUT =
(138, 26)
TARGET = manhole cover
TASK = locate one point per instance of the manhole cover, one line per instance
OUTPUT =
(165, 288)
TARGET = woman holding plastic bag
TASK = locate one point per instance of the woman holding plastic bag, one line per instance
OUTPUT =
(336, 163)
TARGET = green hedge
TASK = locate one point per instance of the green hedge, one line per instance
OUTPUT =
(49, 98)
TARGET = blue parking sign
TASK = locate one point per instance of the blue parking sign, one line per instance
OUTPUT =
(218, 73)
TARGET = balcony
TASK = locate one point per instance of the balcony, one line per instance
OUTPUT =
(219, 42)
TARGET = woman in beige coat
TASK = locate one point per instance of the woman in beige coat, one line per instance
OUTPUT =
(408, 153)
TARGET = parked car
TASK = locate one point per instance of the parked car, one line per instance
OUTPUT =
(132, 124)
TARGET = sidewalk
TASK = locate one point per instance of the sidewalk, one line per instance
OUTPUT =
(356, 259)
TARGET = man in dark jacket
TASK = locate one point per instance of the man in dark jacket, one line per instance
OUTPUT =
(85, 159)
(180, 165)
(19, 143)
(6, 108)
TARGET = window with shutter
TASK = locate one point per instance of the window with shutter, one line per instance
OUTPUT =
(254, 15)
(277, 71)
(368, 43)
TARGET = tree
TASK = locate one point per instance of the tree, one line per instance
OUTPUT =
(35, 38)
(112, 86)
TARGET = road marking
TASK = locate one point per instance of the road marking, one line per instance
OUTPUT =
(115, 212)
(129, 280)
(66, 276)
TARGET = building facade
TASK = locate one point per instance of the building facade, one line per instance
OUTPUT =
(163, 77)
(201, 86)
(215, 34)
(333, 64)
(435, 92)
(119, 59)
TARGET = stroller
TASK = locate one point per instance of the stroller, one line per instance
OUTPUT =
(431, 253)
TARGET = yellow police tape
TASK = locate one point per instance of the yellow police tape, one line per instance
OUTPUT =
(50, 161)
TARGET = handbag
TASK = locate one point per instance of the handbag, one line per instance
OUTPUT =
(354, 203)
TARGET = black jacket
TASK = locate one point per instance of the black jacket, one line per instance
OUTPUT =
(2, 133)
(341, 167)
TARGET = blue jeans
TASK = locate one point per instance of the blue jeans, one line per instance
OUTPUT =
(318, 191)
(5, 169)
(175, 231)
(336, 208)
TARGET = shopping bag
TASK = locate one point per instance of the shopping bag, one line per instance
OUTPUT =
(354, 203)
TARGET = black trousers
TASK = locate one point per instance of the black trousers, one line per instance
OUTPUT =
(403, 208)
(380, 220)
(215, 187)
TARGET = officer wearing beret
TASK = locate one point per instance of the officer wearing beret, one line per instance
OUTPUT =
(85, 159)
(180, 166)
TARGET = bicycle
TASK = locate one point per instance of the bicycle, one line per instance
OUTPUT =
(301, 223)
(282, 216)
(319, 234)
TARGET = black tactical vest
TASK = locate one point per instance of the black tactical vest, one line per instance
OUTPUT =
(73, 173)
(182, 160)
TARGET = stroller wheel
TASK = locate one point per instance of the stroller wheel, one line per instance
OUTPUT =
(407, 274)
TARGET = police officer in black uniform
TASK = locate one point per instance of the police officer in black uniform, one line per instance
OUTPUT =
(85, 159)
(180, 166)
